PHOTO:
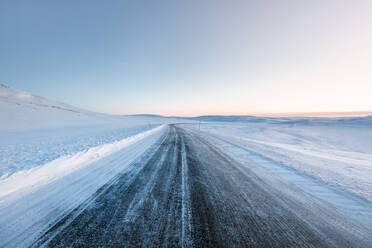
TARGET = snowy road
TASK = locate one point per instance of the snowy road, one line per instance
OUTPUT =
(186, 192)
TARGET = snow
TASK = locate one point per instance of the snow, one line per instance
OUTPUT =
(21, 111)
(36, 177)
(53, 190)
(54, 156)
(26, 149)
(348, 204)
(186, 214)
(35, 130)
(335, 151)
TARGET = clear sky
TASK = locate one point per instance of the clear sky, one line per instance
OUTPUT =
(191, 57)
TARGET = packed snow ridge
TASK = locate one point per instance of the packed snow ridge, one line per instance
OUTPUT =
(30, 180)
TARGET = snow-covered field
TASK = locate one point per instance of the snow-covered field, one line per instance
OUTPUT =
(54, 157)
(335, 151)
(35, 130)
(33, 200)
(28, 149)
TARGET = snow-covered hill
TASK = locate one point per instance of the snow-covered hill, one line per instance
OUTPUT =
(35, 130)
(25, 99)
(21, 111)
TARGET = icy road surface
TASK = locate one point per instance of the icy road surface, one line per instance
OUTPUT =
(186, 192)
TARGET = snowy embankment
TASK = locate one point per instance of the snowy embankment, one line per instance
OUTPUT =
(24, 150)
(33, 200)
(31, 179)
(335, 151)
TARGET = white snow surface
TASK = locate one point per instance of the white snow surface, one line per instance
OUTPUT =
(33, 200)
(353, 207)
(31, 179)
(21, 111)
(35, 131)
(54, 156)
(338, 153)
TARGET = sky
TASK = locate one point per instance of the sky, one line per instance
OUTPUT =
(191, 57)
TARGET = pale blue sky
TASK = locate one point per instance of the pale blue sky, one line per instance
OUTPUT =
(191, 57)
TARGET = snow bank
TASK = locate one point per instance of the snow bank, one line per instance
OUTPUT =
(54, 190)
(27, 149)
(33, 178)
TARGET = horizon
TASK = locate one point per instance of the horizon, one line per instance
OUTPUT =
(191, 58)
(279, 114)
(289, 114)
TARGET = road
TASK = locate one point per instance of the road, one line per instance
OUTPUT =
(186, 192)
